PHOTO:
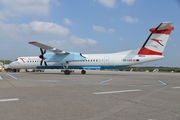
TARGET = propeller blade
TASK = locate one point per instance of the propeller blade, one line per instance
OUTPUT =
(45, 63)
(44, 52)
(42, 56)
(41, 62)
(41, 50)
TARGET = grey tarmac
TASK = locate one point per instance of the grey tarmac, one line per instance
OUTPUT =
(97, 95)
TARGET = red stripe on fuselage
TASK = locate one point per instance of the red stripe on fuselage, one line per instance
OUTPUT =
(145, 51)
(22, 59)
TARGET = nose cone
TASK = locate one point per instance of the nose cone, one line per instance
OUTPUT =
(13, 64)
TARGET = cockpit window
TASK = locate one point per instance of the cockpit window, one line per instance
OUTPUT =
(16, 59)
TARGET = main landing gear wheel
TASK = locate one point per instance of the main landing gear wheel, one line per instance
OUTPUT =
(67, 72)
(83, 72)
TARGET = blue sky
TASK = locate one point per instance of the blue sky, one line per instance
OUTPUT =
(86, 26)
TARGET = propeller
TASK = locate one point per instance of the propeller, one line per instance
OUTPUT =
(42, 57)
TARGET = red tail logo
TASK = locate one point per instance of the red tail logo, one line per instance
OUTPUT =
(158, 41)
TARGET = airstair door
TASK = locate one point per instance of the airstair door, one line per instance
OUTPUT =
(106, 60)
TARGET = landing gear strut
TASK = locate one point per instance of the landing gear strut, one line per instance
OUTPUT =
(66, 71)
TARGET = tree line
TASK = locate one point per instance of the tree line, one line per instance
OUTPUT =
(150, 69)
(5, 61)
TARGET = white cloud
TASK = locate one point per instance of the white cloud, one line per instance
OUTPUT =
(80, 41)
(129, 2)
(107, 3)
(56, 2)
(48, 28)
(102, 29)
(73, 43)
(16, 32)
(67, 21)
(14, 8)
(99, 28)
(10, 32)
(130, 19)
(121, 39)
(110, 30)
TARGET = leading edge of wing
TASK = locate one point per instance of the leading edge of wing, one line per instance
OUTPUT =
(49, 48)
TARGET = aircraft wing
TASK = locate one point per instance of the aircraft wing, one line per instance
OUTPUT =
(49, 48)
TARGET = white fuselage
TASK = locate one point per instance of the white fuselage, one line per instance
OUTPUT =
(92, 61)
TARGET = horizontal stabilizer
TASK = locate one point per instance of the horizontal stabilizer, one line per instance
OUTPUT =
(164, 26)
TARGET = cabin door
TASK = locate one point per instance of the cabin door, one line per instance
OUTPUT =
(106, 60)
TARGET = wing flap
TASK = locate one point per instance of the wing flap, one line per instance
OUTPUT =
(49, 48)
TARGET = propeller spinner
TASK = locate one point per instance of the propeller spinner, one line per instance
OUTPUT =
(42, 57)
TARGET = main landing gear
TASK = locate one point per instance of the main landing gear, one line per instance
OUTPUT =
(83, 72)
(68, 72)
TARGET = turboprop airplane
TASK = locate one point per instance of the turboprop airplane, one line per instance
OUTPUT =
(151, 50)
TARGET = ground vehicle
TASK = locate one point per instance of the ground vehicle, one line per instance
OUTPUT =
(8, 69)
(34, 70)
(1, 66)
